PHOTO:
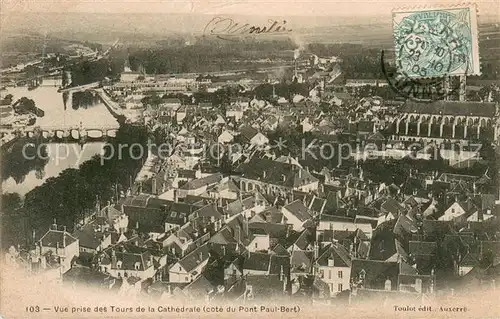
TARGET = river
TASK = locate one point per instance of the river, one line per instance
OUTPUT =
(57, 114)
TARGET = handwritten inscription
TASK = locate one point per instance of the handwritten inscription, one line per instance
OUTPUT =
(227, 27)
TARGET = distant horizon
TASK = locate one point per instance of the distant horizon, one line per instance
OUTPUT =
(158, 23)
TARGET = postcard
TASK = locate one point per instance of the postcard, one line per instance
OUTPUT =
(250, 158)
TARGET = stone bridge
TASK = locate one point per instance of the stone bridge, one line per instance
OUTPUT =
(75, 132)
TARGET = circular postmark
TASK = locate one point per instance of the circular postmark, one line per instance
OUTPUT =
(432, 44)
(420, 89)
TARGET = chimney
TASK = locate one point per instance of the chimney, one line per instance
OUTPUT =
(154, 185)
(54, 225)
(223, 250)
(113, 258)
(57, 248)
(388, 284)
(264, 174)
(137, 225)
(246, 222)
(418, 285)
(201, 256)
(300, 173)
(64, 238)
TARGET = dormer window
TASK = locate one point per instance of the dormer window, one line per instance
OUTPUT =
(137, 266)
(362, 274)
(330, 262)
(119, 264)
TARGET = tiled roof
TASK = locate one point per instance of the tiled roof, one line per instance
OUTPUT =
(195, 258)
(456, 108)
(274, 230)
(89, 237)
(129, 259)
(405, 226)
(298, 209)
(53, 237)
(302, 260)
(422, 248)
(205, 181)
(338, 253)
(257, 261)
(305, 239)
(375, 272)
(280, 250)
(248, 132)
(199, 288)
(275, 173)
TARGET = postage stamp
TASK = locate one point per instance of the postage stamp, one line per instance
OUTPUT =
(436, 42)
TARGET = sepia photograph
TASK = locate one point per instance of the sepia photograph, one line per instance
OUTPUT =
(249, 158)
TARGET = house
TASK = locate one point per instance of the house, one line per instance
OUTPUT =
(146, 213)
(60, 243)
(263, 264)
(332, 222)
(266, 287)
(93, 237)
(126, 260)
(297, 214)
(189, 268)
(334, 267)
(199, 289)
(459, 211)
(374, 274)
(199, 186)
(252, 136)
(271, 177)
(225, 137)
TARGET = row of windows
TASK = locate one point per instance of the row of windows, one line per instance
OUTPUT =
(339, 287)
(339, 274)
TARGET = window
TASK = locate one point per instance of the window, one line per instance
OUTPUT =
(186, 279)
(330, 263)
(339, 274)
(174, 214)
(256, 245)
(453, 210)
(331, 287)
(339, 287)
(180, 268)
(329, 274)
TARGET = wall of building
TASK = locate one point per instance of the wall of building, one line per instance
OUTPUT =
(335, 276)
(260, 242)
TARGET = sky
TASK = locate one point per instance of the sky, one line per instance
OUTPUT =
(228, 7)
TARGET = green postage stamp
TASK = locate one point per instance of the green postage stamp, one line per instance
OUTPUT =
(436, 42)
